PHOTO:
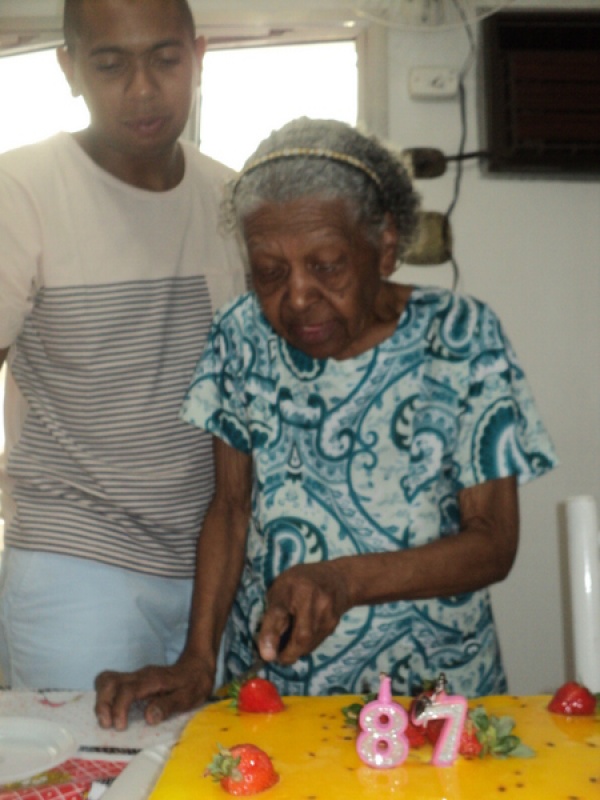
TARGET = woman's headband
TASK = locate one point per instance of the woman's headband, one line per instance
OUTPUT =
(310, 152)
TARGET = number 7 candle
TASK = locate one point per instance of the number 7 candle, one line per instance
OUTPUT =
(450, 708)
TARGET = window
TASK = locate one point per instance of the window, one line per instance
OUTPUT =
(245, 93)
(35, 100)
(248, 92)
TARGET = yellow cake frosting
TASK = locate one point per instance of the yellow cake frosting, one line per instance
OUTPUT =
(315, 756)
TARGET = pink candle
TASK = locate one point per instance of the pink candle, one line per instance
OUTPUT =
(452, 709)
(382, 743)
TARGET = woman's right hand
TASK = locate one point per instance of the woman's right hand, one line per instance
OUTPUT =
(303, 607)
(162, 691)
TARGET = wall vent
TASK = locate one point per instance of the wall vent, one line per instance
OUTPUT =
(541, 92)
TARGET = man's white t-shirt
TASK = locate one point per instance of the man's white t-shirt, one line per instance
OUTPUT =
(107, 292)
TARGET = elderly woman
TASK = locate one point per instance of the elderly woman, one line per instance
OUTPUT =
(369, 437)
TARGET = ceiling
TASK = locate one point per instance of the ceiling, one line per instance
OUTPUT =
(35, 24)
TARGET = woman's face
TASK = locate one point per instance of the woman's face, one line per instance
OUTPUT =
(317, 277)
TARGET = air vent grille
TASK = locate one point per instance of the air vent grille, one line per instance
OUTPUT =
(542, 92)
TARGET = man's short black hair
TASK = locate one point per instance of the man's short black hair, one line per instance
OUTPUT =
(72, 20)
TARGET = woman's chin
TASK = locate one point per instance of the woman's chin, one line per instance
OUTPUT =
(315, 341)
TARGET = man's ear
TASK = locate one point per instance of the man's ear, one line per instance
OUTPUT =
(65, 60)
(389, 248)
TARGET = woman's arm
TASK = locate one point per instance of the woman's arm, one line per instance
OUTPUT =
(311, 598)
(220, 553)
(219, 560)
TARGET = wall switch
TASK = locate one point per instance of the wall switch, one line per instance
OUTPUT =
(430, 83)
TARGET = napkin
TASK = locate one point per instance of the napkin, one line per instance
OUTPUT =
(71, 780)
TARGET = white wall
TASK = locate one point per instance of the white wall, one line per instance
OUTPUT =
(531, 248)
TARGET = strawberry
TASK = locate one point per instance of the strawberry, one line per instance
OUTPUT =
(242, 770)
(573, 699)
(495, 735)
(415, 735)
(429, 730)
(433, 728)
(352, 712)
(256, 695)
(483, 735)
(469, 745)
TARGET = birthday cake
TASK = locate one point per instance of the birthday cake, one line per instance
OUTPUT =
(315, 755)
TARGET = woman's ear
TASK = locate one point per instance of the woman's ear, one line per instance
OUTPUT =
(65, 60)
(388, 255)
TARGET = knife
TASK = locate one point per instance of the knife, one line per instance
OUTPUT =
(258, 662)
(223, 691)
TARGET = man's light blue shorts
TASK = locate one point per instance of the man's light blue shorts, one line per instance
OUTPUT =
(64, 619)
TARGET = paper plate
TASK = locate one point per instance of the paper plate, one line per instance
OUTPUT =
(30, 746)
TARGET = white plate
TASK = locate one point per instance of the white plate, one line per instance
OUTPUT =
(30, 746)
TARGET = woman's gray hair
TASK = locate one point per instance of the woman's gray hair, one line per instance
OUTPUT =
(333, 160)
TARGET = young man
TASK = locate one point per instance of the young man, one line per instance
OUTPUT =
(111, 268)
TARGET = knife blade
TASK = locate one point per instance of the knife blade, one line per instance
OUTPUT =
(258, 663)
(224, 690)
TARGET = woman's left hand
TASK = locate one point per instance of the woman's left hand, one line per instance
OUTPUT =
(304, 606)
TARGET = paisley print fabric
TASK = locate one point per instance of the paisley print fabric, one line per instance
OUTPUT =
(367, 455)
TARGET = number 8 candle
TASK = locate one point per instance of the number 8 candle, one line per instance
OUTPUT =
(452, 709)
(382, 743)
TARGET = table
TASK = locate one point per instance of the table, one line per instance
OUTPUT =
(75, 711)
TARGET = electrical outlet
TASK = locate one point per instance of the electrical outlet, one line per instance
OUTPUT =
(426, 83)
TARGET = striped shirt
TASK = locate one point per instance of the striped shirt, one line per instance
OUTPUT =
(106, 297)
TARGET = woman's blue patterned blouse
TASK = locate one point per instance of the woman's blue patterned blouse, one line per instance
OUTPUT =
(367, 455)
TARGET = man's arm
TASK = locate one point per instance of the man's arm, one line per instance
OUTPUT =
(220, 558)
(311, 598)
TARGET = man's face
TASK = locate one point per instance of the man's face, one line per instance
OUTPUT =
(137, 67)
